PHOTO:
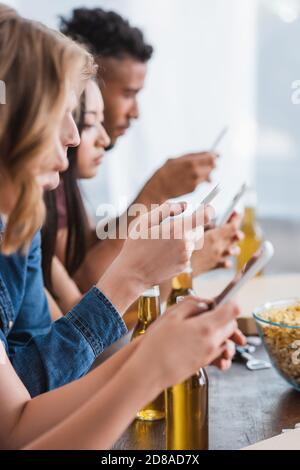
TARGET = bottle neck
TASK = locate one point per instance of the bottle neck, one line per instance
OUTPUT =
(183, 280)
(203, 377)
(250, 215)
(200, 377)
(249, 220)
(149, 305)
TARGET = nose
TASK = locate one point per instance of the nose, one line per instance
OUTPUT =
(69, 132)
(103, 138)
(134, 111)
(62, 162)
(73, 139)
(70, 138)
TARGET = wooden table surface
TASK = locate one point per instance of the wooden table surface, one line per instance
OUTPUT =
(244, 407)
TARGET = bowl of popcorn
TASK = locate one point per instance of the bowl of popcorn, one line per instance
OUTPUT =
(278, 324)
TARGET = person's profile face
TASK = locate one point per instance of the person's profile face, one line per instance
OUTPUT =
(66, 135)
(94, 138)
(45, 168)
(121, 82)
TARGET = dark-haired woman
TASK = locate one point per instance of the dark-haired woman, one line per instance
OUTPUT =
(68, 234)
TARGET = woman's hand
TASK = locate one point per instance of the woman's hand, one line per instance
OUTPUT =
(158, 248)
(181, 175)
(182, 341)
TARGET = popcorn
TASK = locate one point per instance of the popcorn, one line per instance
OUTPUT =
(289, 315)
(282, 340)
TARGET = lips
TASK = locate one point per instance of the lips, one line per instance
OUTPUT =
(123, 129)
(99, 159)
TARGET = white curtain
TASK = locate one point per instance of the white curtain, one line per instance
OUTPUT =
(201, 78)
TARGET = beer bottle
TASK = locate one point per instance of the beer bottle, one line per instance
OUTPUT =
(182, 285)
(187, 411)
(187, 414)
(148, 311)
(253, 234)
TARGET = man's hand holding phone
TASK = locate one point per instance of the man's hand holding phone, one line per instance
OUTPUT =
(220, 243)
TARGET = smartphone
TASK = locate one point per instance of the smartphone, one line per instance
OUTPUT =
(208, 199)
(219, 139)
(258, 261)
(225, 217)
(211, 195)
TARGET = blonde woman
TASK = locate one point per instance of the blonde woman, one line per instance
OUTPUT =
(36, 129)
(47, 355)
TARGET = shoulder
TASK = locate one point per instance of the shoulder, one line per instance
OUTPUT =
(36, 242)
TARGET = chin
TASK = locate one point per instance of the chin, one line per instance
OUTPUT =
(51, 183)
(113, 141)
(87, 173)
(91, 174)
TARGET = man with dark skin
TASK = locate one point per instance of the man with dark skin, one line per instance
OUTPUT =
(122, 80)
(122, 55)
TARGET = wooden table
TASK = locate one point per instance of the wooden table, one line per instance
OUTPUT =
(254, 293)
(244, 407)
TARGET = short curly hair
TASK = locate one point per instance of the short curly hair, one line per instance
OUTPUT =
(106, 34)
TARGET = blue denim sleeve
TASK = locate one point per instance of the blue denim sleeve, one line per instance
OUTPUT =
(48, 355)
(32, 315)
(68, 350)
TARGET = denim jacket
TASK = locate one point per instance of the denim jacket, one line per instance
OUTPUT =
(49, 354)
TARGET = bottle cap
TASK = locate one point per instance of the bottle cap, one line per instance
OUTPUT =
(152, 292)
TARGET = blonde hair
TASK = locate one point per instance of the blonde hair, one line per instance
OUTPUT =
(36, 64)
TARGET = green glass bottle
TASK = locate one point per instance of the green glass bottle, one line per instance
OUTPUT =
(187, 407)
(253, 234)
(148, 311)
(182, 285)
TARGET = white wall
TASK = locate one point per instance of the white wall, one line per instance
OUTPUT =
(201, 78)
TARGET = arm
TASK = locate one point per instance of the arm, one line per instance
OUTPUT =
(46, 354)
(97, 260)
(101, 419)
(219, 244)
(67, 348)
(23, 419)
(70, 345)
(67, 292)
(55, 311)
(64, 287)
(178, 176)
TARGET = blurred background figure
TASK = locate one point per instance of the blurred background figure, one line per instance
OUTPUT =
(215, 63)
